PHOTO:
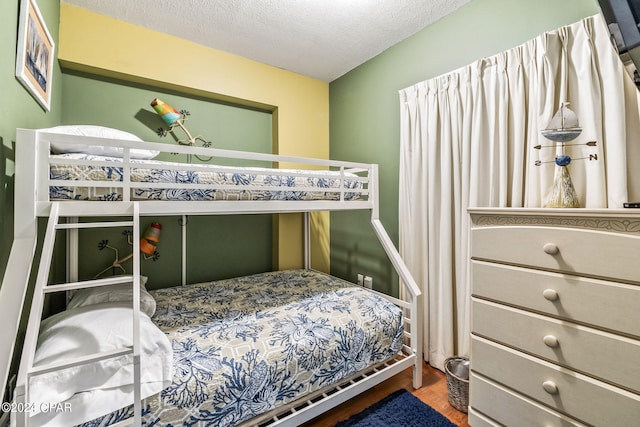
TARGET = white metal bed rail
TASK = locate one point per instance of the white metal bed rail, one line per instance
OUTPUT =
(309, 407)
(407, 282)
(27, 369)
(201, 151)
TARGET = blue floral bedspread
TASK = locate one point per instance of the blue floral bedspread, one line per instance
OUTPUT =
(304, 185)
(247, 345)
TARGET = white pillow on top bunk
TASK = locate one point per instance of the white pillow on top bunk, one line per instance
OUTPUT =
(114, 293)
(97, 150)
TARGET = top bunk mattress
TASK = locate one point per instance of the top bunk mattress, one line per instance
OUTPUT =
(79, 176)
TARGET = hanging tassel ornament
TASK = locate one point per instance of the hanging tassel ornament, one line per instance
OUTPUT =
(563, 194)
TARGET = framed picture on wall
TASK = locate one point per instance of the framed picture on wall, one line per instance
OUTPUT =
(34, 58)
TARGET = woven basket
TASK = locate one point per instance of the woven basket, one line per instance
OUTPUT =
(456, 370)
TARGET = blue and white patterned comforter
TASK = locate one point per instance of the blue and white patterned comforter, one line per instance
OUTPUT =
(316, 185)
(247, 345)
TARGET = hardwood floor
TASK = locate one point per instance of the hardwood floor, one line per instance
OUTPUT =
(433, 392)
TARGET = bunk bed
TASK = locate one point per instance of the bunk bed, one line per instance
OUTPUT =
(277, 348)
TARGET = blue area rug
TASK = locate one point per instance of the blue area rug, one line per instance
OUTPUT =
(399, 409)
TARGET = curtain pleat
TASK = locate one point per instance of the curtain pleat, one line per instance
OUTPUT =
(468, 138)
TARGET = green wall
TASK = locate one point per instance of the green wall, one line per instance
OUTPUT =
(218, 247)
(364, 117)
(19, 109)
(90, 100)
(365, 110)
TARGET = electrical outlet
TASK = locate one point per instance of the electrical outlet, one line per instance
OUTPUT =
(368, 282)
(360, 280)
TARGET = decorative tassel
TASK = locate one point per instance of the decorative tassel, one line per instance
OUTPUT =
(562, 195)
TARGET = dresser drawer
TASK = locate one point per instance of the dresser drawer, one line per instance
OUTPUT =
(610, 357)
(609, 305)
(575, 251)
(509, 408)
(576, 395)
(476, 419)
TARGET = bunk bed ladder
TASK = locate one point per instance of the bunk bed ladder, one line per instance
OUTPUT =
(42, 288)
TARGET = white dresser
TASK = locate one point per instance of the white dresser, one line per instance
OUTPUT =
(555, 317)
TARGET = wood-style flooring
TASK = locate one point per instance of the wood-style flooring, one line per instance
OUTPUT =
(433, 392)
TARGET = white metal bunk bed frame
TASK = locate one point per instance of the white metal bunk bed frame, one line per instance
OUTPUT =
(32, 178)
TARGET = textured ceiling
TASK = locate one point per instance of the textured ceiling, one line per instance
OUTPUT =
(323, 39)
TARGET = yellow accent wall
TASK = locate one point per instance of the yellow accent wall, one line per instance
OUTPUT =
(104, 46)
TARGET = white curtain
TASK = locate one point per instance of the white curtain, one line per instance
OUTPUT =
(467, 139)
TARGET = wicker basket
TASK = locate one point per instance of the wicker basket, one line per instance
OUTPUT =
(456, 370)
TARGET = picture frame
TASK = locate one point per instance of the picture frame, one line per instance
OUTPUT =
(35, 54)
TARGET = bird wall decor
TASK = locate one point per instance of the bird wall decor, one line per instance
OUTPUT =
(175, 119)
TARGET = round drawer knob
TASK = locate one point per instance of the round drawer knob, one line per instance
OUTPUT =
(550, 387)
(551, 341)
(550, 248)
(550, 294)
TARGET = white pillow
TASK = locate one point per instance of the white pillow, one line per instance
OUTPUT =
(114, 293)
(93, 329)
(98, 150)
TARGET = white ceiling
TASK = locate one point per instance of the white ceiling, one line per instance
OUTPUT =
(323, 39)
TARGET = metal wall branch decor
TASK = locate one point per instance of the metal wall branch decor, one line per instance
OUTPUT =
(35, 54)
(148, 247)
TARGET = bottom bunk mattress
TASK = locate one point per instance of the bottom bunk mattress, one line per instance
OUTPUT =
(244, 346)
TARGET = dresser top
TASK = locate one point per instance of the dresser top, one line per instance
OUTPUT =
(614, 220)
(561, 212)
